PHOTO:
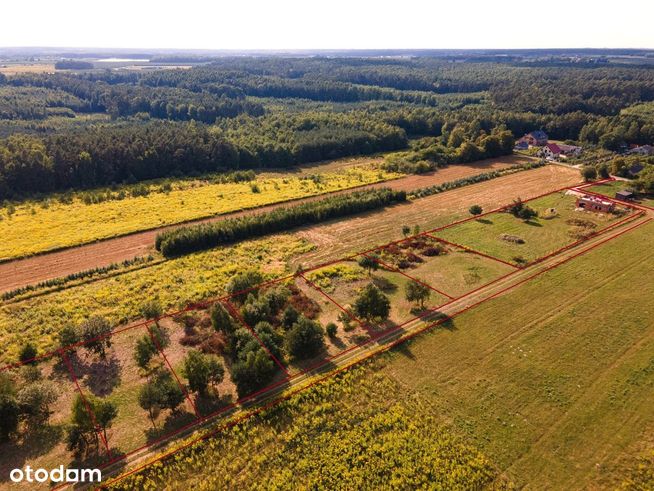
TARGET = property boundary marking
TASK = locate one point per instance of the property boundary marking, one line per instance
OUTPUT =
(225, 300)
(350, 365)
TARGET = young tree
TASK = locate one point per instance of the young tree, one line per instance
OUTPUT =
(242, 284)
(527, 213)
(149, 344)
(171, 393)
(197, 372)
(476, 210)
(417, 292)
(253, 372)
(68, 336)
(289, 317)
(305, 339)
(216, 371)
(331, 329)
(369, 264)
(95, 333)
(372, 304)
(27, 354)
(589, 173)
(150, 397)
(35, 400)
(406, 230)
(416, 229)
(83, 430)
(221, 320)
(151, 309)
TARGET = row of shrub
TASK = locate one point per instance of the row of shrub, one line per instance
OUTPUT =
(62, 280)
(486, 176)
(199, 237)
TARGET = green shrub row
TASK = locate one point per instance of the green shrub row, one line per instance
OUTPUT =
(199, 237)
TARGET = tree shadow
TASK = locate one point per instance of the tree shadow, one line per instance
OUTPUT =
(35, 443)
(337, 342)
(210, 404)
(174, 421)
(532, 223)
(384, 284)
(485, 221)
(103, 376)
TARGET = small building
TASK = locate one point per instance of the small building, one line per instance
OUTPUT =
(642, 150)
(635, 169)
(592, 203)
(551, 151)
(536, 138)
(570, 150)
(625, 195)
(521, 145)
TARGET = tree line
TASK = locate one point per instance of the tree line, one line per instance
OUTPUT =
(193, 238)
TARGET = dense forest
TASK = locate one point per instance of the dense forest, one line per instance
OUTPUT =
(71, 130)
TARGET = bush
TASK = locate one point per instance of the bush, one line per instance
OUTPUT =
(305, 339)
(331, 329)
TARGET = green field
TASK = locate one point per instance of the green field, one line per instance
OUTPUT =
(543, 235)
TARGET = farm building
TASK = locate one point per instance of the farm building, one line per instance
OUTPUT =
(642, 150)
(568, 150)
(635, 169)
(553, 151)
(536, 138)
(592, 203)
(625, 195)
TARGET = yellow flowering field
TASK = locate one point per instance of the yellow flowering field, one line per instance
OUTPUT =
(32, 228)
(190, 278)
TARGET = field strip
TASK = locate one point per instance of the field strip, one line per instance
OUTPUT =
(55, 264)
(391, 339)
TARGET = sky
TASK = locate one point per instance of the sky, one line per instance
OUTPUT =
(333, 24)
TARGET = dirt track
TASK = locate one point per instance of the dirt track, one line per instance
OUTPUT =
(15, 274)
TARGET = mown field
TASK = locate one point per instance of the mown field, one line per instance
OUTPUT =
(552, 386)
(512, 239)
(27, 229)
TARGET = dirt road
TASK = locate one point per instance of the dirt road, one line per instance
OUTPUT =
(32, 270)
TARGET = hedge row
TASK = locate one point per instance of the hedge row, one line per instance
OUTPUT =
(465, 181)
(194, 238)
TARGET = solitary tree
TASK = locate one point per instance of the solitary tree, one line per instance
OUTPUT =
(151, 309)
(369, 264)
(35, 401)
(406, 230)
(95, 332)
(417, 292)
(372, 304)
(305, 339)
(476, 210)
(254, 371)
(196, 370)
(150, 397)
(589, 173)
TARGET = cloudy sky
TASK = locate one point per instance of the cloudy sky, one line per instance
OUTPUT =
(333, 24)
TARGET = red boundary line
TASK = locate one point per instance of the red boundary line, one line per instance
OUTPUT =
(172, 370)
(239, 317)
(397, 270)
(73, 377)
(474, 251)
(205, 304)
(278, 400)
(329, 297)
